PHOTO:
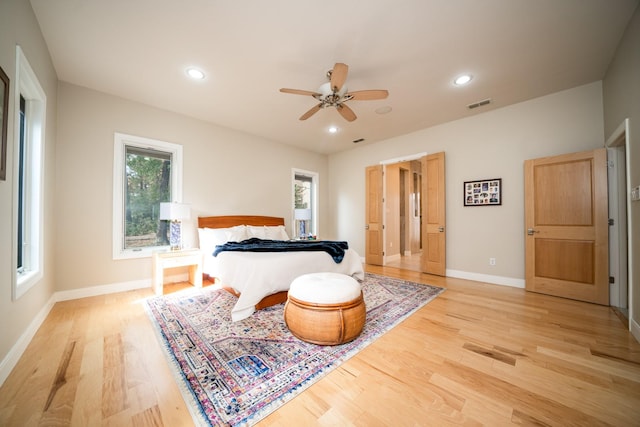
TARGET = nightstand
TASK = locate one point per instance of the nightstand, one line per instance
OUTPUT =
(191, 258)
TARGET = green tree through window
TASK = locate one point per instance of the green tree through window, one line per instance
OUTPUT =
(301, 197)
(304, 199)
(148, 174)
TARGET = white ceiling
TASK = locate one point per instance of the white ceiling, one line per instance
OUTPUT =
(249, 49)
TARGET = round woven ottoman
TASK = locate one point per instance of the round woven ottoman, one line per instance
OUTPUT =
(325, 308)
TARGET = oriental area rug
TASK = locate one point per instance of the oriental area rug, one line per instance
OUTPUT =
(237, 373)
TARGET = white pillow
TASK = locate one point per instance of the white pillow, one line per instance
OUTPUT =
(211, 237)
(276, 232)
(237, 233)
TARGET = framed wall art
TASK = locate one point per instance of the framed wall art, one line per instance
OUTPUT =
(487, 192)
(4, 117)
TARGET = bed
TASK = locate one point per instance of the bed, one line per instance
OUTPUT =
(261, 279)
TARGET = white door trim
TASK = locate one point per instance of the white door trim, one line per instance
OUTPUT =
(620, 138)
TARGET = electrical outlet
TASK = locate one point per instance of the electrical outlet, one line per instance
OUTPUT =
(492, 261)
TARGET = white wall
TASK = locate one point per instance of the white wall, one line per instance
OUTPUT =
(18, 26)
(621, 101)
(494, 144)
(225, 172)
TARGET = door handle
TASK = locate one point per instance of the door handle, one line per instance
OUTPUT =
(441, 229)
(530, 231)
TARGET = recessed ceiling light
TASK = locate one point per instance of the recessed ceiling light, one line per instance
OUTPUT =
(463, 79)
(384, 110)
(194, 73)
(333, 129)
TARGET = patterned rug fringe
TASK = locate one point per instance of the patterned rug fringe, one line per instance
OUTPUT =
(197, 414)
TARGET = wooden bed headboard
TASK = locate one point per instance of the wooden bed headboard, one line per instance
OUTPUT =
(227, 221)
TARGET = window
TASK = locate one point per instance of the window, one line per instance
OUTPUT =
(305, 203)
(22, 169)
(30, 101)
(146, 173)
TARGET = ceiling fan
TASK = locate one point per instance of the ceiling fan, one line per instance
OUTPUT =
(334, 93)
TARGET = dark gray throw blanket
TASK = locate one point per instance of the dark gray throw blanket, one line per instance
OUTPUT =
(334, 248)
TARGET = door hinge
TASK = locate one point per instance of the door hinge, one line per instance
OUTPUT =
(382, 253)
(611, 221)
(612, 279)
(383, 226)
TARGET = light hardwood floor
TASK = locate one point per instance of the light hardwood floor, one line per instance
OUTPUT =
(407, 262)
(478, 354)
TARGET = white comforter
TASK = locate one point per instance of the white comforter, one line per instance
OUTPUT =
(259, 274)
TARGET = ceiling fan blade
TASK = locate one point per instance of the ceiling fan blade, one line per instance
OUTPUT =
(368, 95)
(298, 91)
(346, 112)
(338, 76)
(311, 112)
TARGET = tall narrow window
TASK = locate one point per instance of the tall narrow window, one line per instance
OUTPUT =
(305, 203)
(22, 169)
(30, 101)
(146, 173)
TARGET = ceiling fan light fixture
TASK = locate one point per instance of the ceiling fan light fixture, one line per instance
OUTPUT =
(195, 73)
(335, 94)
(326, 91)
(462, 80)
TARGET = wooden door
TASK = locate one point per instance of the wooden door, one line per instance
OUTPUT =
(373, 210)
(433, 210)
(566, 226)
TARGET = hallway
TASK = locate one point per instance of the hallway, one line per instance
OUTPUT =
(410, 262)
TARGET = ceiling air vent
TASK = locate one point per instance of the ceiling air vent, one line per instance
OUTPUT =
(479, 103)
(355, 141)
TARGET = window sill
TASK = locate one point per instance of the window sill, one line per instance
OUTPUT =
(138, 253)
(25, 281)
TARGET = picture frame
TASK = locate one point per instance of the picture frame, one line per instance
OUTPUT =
(4, 117)
(486, 192)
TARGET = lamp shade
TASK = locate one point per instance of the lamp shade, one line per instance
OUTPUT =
(175, 211)
(303, 214)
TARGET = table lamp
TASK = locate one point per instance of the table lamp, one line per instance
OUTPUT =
(175, 212)
(302, 216)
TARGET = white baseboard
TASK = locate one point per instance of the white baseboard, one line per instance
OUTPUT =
(114, 287)
(14, 355)
(101, 290)
(12, 358)
(496, 280)
(634, 327)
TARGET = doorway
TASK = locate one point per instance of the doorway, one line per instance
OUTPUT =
(619, 189)
(405, 214)
(403, 221)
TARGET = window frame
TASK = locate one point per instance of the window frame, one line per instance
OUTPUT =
(315, 178)
(120, 142)
(29, 204)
